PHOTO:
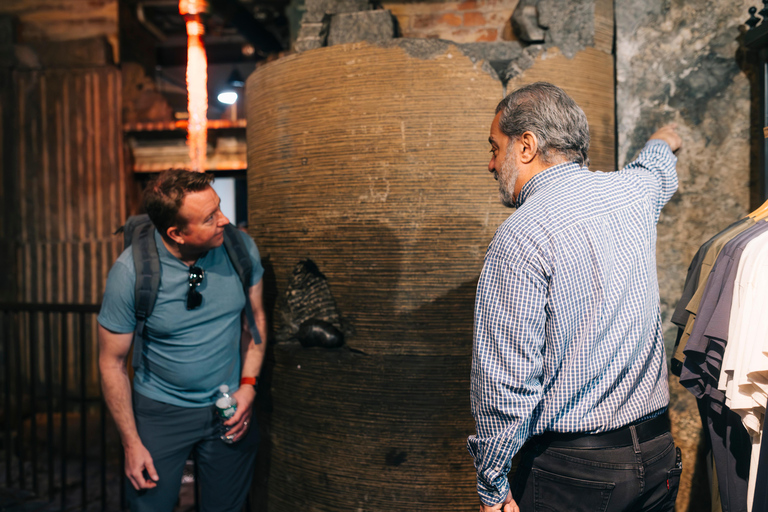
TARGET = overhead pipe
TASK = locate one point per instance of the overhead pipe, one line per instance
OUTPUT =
(197, 82)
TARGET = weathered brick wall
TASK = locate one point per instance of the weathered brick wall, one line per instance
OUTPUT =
(463, 22)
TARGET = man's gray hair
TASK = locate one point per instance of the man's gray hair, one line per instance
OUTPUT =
(549, 113)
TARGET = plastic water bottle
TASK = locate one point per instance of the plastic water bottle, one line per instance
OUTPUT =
(225, 408)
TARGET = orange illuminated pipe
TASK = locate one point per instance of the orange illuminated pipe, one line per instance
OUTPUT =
(197, 82)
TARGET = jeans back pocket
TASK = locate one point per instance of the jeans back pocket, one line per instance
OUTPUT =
(560, 493)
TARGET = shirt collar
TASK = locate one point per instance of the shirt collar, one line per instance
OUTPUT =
(543, 179)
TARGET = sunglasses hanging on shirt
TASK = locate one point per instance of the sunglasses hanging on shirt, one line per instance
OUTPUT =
(194, 297)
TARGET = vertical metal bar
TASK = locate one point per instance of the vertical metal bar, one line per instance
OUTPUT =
(32, 319)
(196, 474)
(48, 364)
(20, 406)
(123, 483)
(64, 367)
(83, 412)
(103, 422)
(7, 319)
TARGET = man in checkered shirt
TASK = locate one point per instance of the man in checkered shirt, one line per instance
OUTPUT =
(568, 364)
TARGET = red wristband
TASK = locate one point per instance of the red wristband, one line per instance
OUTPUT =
(249, 380)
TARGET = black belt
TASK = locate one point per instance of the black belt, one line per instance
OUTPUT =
(646, 430)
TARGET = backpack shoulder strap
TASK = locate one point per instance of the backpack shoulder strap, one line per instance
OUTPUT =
(241, 260)
(132, 224)
(146, 261)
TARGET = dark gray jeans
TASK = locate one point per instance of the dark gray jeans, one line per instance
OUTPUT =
(553, 477)
(171, 433)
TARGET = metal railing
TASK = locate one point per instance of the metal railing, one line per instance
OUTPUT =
(54, 420)
(60, 447)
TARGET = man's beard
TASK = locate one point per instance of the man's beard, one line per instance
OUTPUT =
(507, 179)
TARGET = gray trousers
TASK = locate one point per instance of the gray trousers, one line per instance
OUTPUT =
(171, 433)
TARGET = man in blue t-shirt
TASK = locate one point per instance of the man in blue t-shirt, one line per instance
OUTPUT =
(196, 339)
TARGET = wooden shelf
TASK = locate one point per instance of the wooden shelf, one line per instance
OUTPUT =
(164, 126)
(157, 146)
(154, 155)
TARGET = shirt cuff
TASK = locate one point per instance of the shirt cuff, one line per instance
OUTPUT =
(491, 497)
(658, 142)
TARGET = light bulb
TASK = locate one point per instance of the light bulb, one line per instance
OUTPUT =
(228, 97)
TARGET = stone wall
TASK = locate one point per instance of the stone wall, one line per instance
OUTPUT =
(330, 22)
(679, 61)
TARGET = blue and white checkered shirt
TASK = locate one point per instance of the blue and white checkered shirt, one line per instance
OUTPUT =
(567, 326)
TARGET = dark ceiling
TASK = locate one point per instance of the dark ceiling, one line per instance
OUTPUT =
(238, 34)
(153, 32)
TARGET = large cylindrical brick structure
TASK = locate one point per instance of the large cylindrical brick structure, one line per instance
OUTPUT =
(372, 162)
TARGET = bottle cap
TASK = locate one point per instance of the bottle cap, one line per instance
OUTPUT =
(224, 388)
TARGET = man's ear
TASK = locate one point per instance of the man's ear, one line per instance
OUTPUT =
(174, 233)
(530, 147)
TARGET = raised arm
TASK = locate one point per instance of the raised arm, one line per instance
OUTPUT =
(655, 167)
(116, 386)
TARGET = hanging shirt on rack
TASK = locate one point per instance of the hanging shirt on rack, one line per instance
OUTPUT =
(730, 442)
(717, 316)
(681, 314)
(744, 352)
(707, 263)
(745, 365)
(701, 369)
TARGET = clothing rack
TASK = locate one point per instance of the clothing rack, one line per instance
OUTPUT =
(721, 355)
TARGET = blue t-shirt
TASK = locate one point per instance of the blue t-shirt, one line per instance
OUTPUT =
(188, 354)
